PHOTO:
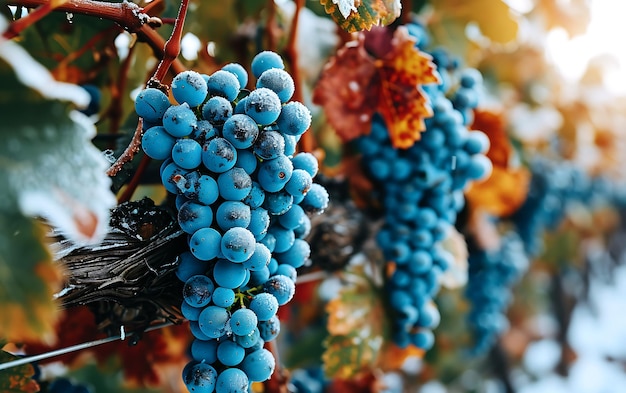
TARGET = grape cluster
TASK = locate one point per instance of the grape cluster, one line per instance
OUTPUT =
(555, 186)
(492, 274)
(243, 197)
(421, 192)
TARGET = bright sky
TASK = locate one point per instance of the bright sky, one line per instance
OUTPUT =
(605, 35)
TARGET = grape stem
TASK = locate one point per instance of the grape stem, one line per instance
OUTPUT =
(129, 16)
(172, 45)
(128, 154)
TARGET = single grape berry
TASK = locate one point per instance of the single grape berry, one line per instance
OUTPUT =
(189, 87)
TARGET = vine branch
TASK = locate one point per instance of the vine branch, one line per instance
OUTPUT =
(172, 45)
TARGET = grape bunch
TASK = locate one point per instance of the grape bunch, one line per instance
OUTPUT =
(554, 186)
(65, 385)
(492, 274)
(421, 192)
(244, 198)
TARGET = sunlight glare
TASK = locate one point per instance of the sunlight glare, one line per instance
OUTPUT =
(603, 37)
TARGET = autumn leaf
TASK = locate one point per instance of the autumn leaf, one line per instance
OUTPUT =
(358, 15)
(27, 282)
(507, 187)
(16, 379)
(403, 104)
(356, 327)
(380, 72)
(494, 17)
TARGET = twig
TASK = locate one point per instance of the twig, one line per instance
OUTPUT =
(128, 154)
(172, 45)
(269, 27)
(19, 25)
(126, 14)
(74, 348)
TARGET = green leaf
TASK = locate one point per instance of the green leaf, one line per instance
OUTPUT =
(357, 327)
(358, 15)
(49, 167)
(16, 379)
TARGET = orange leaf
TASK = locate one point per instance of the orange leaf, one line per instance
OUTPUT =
(381, 71)
(392, 357)
(507, 187)
(403, 103)
(348, 91)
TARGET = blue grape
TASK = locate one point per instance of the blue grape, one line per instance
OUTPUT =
(224, 84)
(189, 265)
(259, 365)
(234, 184)
(229, 274)
(274, 174)
(204, 350)
(287, 270)
(206, 190)
(229, 353)
(232, 380)
(249, 340)
(293, 218)
(171, 176)
(284, 238)
(259, 223)
(189, 312)
(255, 197)
(223, 297)
(299, 184)
(260, 258)
(296, 255)
(240, 72)
(269, 145)
(247, 161)
(179, 120)
(282, 287)
(278, 203)
(194, 327)
(263, 105)
(219, 155)
(240, 130)
(238, 244)
(307, 162)
(294, 119)
(279, 81)
(193, 216)
(187, 153)
(204, 132)
(264, 61)
(201, 378)
(205, 244)
(232, 214)
(198, 290)
(213, 321)
(217, 110)
(269, 329)
(157, 143)
(264, 306)
(189, 87)
(243, 321)
(316, 200)
(151, 104)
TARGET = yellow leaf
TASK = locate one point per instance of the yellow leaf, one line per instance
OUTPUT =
(494, 17)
